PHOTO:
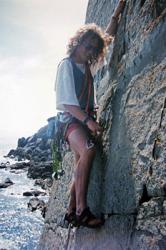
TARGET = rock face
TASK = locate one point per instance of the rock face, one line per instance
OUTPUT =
(40, 170)
(128, 179)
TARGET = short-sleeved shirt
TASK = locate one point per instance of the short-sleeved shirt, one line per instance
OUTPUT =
(65, 86)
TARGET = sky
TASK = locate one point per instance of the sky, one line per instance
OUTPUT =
(34, 35)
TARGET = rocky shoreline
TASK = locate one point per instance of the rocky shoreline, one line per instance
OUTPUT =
(22, 209)
(36, 202)
(33, 155)
(37, 149)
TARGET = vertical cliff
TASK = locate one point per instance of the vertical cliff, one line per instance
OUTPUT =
(128, 180)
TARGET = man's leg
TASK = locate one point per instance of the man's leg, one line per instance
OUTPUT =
(78, 143)
(72, 201)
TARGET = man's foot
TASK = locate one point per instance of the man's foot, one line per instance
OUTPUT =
(87, 219)
(70, 217)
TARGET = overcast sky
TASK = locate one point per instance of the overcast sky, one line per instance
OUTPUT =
(34, 35)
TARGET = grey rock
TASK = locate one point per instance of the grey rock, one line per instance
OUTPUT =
(21, 142)
(2, 165)
(40, 170)
(11, 153)
(7, 182)
(20, 165)
(34, 193)
(37, 147)
(44, 183)
(37, 204)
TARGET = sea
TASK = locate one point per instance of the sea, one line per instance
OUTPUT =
(20, 229)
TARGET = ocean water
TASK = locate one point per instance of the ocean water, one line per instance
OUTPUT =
(20, 229)
(6, 144)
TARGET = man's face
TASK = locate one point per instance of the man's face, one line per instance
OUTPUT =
(87, 49)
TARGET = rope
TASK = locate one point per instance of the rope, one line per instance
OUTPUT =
(68, 238)
(89, 90)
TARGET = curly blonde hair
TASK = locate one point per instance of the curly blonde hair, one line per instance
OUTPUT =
(95, 32)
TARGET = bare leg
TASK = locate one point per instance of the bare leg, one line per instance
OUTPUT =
(77, 140)
(84, 158)
(72, 202)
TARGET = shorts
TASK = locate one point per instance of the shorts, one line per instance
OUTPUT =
(74, 125)
(70, 128)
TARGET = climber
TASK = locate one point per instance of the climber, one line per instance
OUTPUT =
(75, 98)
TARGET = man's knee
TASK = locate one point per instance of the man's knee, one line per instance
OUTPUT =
(89, 151)
(90, 144)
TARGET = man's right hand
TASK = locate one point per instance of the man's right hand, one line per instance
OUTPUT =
(95, 128)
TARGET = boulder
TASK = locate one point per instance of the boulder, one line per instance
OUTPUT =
(34, 193)
(11, 153)
(7, 182)
(21, 142)
(40, 170)
(44, 183)
(35, 204)
(2, 165)
(20, 165)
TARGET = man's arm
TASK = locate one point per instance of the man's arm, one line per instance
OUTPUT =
(82, 116)
(113, 25)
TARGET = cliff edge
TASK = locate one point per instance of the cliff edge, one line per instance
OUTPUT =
(128, 179)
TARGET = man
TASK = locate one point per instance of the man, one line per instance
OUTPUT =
(75, 97)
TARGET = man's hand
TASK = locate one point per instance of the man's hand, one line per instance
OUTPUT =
(95, 128)
(119, 9)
